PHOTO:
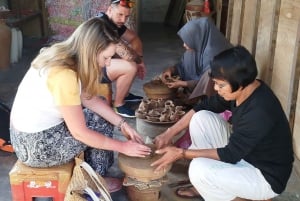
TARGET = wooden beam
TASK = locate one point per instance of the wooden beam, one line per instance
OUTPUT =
(286, 52)
(219, 12)
(249, 30)
(236, 25)
(266, 36)
(229, 19)
(296, 128)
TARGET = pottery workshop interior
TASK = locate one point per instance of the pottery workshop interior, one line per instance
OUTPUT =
(152, 103)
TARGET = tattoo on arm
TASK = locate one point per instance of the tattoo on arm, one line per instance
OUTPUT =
(127, 53)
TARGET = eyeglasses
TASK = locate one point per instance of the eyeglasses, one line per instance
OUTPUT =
(125, 3)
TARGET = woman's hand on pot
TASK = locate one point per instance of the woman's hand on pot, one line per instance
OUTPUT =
(131, 133)
(166, 75)
(177, 84)
(134, 149)
(169, 155)
(162, 140)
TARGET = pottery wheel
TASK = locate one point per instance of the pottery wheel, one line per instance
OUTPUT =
(140, 169)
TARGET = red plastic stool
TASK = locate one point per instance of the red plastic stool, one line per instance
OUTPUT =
(28, 183)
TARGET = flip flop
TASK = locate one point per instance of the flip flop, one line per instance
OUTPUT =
(189, 188)
(6, 147)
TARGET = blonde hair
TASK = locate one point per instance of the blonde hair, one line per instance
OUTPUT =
(79, 52)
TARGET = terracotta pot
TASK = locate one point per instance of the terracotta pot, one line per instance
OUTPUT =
(140, 169)
(193, 9)
(5, 45)
(142, 195)
(155, 89)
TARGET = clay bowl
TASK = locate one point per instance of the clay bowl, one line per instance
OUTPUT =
(140, 169)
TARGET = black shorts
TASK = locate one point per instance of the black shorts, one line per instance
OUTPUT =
(105, 78)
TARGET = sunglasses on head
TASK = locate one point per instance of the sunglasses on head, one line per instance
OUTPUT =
(125, 3)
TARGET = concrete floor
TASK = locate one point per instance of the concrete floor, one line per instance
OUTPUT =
(162, 48)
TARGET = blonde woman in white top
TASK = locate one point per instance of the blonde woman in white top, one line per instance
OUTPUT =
(57, 114)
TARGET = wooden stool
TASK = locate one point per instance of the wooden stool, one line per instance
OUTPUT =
(28, 183)
(105, 90)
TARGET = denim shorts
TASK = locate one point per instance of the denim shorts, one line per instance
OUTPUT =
(105, 78)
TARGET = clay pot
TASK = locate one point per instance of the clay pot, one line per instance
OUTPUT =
(153, 113)
(193, 9)
(140, 114)
(161, 102)
(175, 116)
(156, 89)
(164, 117)
(143, 195)
(140, 169)
(5, 45)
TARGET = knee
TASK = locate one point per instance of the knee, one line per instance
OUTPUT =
(199, 120)
(121, 67)
(205, 118)
(130, 67)
(197, 170)
(201, 116)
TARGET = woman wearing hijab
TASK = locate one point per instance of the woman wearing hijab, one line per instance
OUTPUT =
(202, 41)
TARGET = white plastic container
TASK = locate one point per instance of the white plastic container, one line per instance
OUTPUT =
(16, 45)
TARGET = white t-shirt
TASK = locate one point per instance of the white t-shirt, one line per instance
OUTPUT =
(39, 93)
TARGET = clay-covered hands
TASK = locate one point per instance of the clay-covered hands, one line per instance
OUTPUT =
(176, 84)
(170, 154)
(135, 145)
(166, 74)
(162, 140)
(131, 148)
(131, 133)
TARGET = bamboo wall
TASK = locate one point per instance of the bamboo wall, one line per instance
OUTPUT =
(271, 31)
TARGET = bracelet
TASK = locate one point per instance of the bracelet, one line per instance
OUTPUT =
(120, 124)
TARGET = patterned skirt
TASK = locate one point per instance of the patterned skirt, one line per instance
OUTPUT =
(56, 146)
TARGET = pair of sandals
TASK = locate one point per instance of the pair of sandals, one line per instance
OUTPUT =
(186, 190)
(4, 146)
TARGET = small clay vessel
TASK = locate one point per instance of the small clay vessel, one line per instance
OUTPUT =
(141, 114)
(153, 113)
